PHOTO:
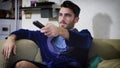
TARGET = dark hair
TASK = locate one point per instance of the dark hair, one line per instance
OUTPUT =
(72, 6)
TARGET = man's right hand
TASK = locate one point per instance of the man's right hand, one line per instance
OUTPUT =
(9, 47)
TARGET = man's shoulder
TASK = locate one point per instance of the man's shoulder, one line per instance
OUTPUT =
(84, 31)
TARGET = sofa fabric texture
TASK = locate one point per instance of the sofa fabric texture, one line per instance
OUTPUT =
(107, 49)
(26, 49)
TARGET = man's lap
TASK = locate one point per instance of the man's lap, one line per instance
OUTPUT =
(53, 64)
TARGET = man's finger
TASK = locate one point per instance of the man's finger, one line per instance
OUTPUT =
(14, 50)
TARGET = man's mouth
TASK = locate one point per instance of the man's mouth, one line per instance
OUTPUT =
(62, 24)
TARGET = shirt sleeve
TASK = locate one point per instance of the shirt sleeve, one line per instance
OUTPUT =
(80, 39)
(21, 34)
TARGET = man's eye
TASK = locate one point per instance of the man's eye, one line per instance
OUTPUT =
(68, 15)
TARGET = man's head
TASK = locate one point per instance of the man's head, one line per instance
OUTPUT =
(68, 14)
(72, 6)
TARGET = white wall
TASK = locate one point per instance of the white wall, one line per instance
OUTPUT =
(10, 25)
(100, 17)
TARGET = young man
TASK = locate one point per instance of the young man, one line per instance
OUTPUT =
(61, 47)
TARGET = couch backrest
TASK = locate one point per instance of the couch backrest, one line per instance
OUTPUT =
(105, 48)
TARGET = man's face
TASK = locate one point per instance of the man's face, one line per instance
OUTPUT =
(66, 18)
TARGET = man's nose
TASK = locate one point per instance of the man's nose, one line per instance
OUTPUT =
(63, 18)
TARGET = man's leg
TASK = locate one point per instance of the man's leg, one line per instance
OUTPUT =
(25, 64)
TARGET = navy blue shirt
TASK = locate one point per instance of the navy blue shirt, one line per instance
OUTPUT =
(77, 47)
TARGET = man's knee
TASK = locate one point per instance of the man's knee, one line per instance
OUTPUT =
(20, 64)
(25, 64)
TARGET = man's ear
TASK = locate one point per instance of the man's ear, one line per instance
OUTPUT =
(76, 19)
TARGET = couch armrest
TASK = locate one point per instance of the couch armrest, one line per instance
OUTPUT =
(25, 49)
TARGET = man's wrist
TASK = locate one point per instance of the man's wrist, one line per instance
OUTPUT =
(12, 37)
(63, 32)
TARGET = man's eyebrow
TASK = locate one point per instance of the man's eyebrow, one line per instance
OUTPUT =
(68, 14)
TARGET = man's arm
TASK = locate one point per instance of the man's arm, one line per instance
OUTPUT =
(51, 30)
(83, 38)
(9, 46)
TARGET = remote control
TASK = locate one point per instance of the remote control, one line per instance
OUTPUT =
(38, 24)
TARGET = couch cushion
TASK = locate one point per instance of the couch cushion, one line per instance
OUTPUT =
(105, 48)
(94, 62)
(114, 63)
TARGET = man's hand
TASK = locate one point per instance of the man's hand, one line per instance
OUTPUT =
(9, 46)
(51, 30)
